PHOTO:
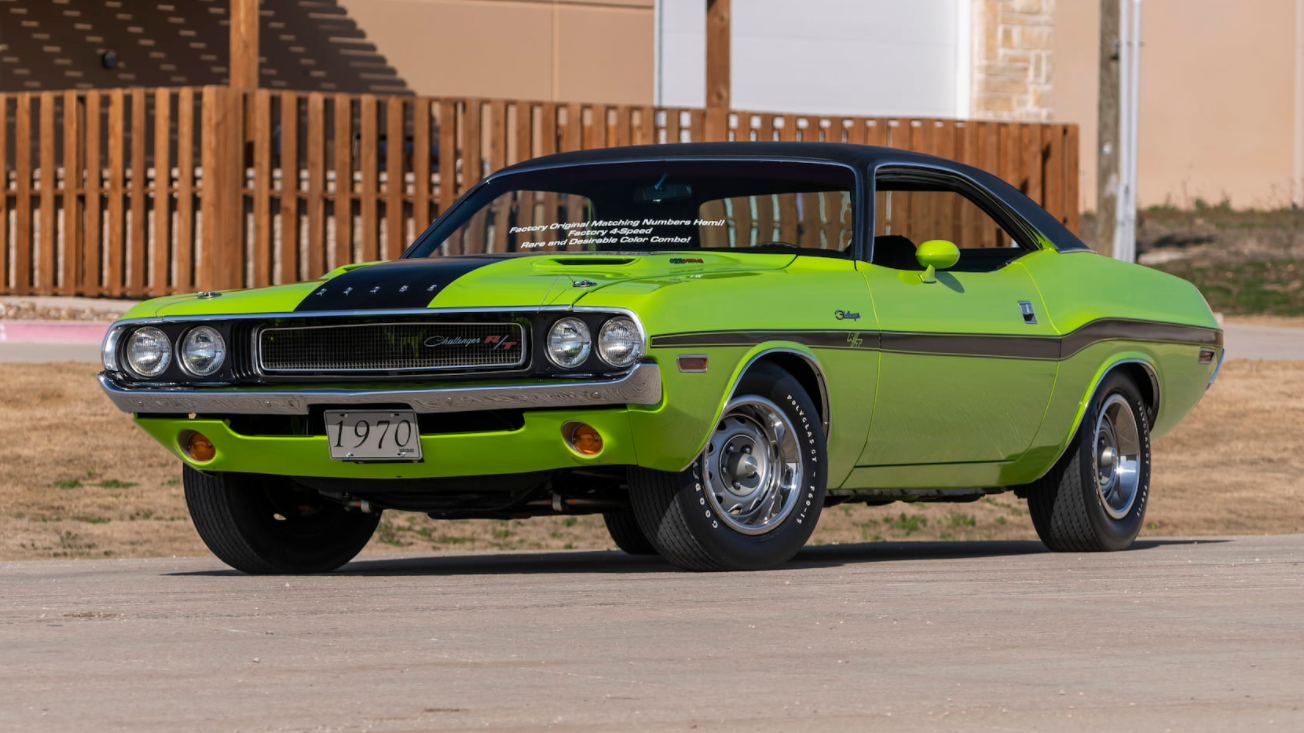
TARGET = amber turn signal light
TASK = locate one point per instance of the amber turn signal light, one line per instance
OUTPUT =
(692, 363)
(198, 447)
(583, 439)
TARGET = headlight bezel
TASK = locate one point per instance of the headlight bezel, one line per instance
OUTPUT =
(115, 351)
(164, 362)
(596, 318)
(109, 348)
(183, 343)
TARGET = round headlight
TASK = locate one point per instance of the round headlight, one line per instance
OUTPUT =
(148, 352)
(203, 352)
(619, 342)
(569, 343)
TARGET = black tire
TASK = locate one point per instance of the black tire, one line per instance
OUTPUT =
(673, 511)
(625, 532)
(1067, 507)
(236, 516)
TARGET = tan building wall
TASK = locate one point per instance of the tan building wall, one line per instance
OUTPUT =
(1218, 83)
(1014, 70)
(48, 45)
(564, 50)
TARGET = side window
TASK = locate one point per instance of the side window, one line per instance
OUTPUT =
(811, 220)
(908, 213)
(924, 215)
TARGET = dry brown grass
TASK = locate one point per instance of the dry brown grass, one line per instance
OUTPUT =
(78, 480)
(1236, 465)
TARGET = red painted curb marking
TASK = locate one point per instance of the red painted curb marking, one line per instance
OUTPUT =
(53, 331)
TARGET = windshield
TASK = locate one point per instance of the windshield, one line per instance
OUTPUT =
(658, 206)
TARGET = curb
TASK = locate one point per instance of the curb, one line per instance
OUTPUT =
(53, 331)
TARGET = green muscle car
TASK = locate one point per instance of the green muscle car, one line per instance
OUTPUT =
(705, 343)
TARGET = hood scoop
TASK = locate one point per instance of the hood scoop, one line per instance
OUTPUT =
(593, 261)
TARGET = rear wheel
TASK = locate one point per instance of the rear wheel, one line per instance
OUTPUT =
(624, 530)
(262, 525)
(753, 497)
(1095, 497)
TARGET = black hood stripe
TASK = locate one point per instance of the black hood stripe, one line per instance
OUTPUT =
(389, 285)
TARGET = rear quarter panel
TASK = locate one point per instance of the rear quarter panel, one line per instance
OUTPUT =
(1081, 287)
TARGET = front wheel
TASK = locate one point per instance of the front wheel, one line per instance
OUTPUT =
(262, 525)
(1094, 499)
(752, 498)
(623, 527)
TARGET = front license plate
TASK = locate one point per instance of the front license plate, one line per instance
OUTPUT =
(373, 436)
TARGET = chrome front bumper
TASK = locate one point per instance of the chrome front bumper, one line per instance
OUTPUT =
(642, 386)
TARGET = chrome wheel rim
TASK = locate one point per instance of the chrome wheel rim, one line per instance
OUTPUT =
(1117, 456)
(753, 468)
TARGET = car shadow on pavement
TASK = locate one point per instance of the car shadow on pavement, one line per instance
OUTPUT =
(829, 555)
(611, 561)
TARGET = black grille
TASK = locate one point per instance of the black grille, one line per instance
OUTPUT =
(390, 347)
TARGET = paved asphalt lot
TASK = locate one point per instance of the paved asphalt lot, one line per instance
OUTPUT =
(1244, 341)
(1178, 634)
(40, 353)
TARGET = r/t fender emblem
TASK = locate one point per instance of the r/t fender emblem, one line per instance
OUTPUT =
(854, 340)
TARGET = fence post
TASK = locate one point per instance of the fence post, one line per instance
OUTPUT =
(4, 195)
(221, 264)
(718, 84)
(74, 156)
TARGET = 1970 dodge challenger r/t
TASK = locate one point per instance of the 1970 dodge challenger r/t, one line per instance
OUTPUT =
(706, 343)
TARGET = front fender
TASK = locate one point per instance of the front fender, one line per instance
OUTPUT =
(672, 434)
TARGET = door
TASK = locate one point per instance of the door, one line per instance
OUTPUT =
(968, 362)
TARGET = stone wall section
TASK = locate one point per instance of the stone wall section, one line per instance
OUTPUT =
(1013, 68)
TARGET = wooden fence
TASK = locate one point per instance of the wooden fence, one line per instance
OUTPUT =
(144, 192)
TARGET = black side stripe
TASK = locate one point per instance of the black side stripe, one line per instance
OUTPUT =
(997, 346)
(1114, 329)
(817, 339)
(1045, 348)
(398, 284)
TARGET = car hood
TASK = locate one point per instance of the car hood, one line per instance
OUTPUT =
(472, 281)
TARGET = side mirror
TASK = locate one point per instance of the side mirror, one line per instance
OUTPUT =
(934, 255)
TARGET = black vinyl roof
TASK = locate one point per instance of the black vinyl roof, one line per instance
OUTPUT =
(845, 153)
